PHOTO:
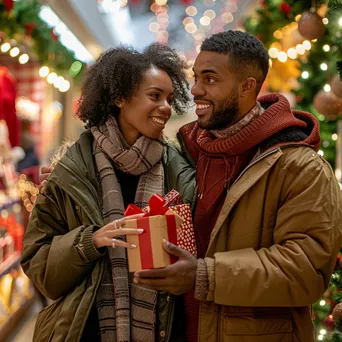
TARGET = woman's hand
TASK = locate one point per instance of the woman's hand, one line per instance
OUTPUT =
(43, 177)
(105, 236)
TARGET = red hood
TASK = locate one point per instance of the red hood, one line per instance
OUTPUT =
(277, 117)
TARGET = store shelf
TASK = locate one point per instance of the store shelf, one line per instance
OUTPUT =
(15, 319)
(11, 262)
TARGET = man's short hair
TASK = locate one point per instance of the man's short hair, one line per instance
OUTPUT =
(247, 55)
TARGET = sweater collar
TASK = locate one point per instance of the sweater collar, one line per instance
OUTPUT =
(230, 131)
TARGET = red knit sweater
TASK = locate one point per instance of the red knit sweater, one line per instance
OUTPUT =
(220, 161)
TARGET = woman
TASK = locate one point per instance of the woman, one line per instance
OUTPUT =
(70, 246)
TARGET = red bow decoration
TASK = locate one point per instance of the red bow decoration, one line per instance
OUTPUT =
(157, 206)
(9, 5)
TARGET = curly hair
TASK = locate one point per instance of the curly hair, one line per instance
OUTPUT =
(117, 74)
(247, 55)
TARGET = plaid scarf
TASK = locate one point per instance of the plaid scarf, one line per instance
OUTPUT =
(129, 312)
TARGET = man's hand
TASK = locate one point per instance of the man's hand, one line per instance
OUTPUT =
(177, 279)
(44, 175)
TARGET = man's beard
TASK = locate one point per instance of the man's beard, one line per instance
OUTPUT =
(226, 114)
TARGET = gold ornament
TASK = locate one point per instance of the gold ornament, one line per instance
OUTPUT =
(337, 312)
(328, 104)
(336, 86)
(310, 25)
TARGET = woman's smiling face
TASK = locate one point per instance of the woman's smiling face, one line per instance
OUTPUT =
(149, 109)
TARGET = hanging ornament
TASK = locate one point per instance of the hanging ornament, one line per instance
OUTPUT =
(328, 104)
(329, 323)
(285, 7)
(29, 29)
(186, 2)
(337, 312)
(310, 25)
(9, 5)
(336, 86)
(54, 36)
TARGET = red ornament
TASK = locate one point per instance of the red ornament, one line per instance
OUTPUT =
(310, 25)
(259, 36)
(263, 3)
(9, 5)
(329, 323)
(29, 28)
(186, 2)
(285, 7)
(54, 36)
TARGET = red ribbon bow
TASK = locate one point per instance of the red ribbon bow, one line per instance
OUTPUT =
(157, 206)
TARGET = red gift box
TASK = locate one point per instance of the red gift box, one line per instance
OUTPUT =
(158, 223)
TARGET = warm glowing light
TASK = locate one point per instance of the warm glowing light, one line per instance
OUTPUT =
(305, 75)
(326, 48)
(334, 137)
(188, 20)
(44, 71)
(278, 34)
(321, 153)
(191, 28)
(297, 18)
(314, 40)
(323, 332)
(273, 52)
(191, 10)
(227, 18)
(324, 66)
(123, 3)
(325, 21)
(23, 59)
(14, 52)
(340, 21)
(65, 86)
(5, 47)
(282, 57)
(52, 77)
(205, 21)
(320, 337)
(154, 27)
(210, 13)
(161, 2)
(58, 81)
(292, 53)
(300, 49)
(327, 88)
(307, 45)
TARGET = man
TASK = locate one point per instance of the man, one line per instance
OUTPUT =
(268, 215)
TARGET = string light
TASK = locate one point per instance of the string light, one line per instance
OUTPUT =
(324, 66)
(334, 137)
(307, 45)
(14, 52)
(325, 21)
(191, 11)
(161, 2)
(326, 48)
(227, 17)
(191, 28)
(300, 49)
(323, 332)
(273, 52)
(322, 302)
(297, 18)
(188, 20)
(44, 71)
(65, 86)
(205, 21)
(305, 75)
(52, 77)
(5, 47)
(320, 337)
(282, 56)
(154, 27)
(210, 13)
(23, 59)
(292, 53)
(340, 21)
(327, 88)
(321, 153)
